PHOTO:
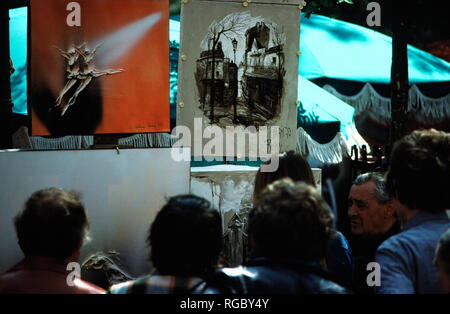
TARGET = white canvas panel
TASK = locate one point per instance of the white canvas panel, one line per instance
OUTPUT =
(122, 191)
(229, 188)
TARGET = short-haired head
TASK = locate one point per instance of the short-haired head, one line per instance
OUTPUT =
(381, 193)
(419, 170)
(186, 237)
(370, 207)
(290, 221)
(53, 223)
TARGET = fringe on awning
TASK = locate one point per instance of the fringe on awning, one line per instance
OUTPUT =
(366, 101)
(66, 142)
(428, 109)
(148, 140)
(330, 152)
(22, 140)
(333, 151)
(369, 101)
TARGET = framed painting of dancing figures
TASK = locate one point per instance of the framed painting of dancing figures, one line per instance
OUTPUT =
(99, 66)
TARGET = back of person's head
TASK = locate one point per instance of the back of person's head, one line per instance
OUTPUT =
(442, 260)
(291, 165)
(290, 221)
(419, 170)
(186, 237)
(53, 223)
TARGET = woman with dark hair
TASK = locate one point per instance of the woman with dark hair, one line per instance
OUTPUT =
(291, 165)
(339, 258)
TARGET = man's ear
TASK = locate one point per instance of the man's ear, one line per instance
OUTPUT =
(389, 211)
(74, 257)
(22, 247)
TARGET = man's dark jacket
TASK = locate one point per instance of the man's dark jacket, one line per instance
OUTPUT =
(264, 276)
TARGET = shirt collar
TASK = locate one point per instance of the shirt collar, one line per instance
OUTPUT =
(421, 217)
(159, 279)
(41, 263)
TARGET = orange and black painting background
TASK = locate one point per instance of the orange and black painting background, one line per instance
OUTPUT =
(133, 101)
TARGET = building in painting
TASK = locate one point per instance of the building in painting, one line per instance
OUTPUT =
(263, 71)
(225, 78)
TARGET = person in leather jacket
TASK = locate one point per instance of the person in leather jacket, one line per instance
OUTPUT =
(339, 259)
(289, 230)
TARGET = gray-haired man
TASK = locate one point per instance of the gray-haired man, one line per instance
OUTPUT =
(370, 208)
(373, 220)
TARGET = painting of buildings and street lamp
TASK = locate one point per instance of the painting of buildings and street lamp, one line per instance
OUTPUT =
(240, 70)
(238, 73)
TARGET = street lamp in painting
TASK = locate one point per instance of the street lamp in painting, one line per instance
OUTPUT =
(234, 42)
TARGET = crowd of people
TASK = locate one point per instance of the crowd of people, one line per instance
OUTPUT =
(398, 220)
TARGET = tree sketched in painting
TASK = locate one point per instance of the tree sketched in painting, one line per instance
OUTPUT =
(231, 25)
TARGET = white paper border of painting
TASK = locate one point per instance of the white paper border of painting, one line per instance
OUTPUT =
(191, 38)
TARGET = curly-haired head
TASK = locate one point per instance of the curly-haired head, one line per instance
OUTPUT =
(290, 221)
(419, 170)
